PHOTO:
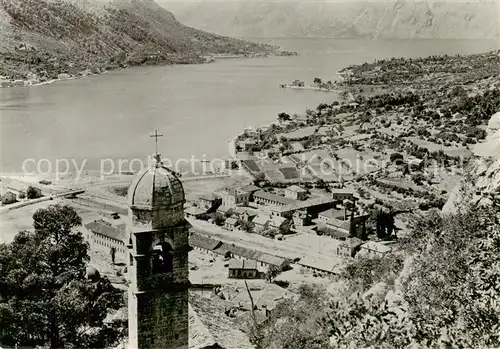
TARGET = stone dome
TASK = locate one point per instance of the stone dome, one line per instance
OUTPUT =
(155, 187)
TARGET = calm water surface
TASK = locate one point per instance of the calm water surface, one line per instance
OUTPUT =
(196, 107)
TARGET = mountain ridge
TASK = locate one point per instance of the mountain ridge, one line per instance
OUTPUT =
(314, 18)
(50, 37)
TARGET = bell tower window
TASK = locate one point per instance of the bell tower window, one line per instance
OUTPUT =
(163, 258)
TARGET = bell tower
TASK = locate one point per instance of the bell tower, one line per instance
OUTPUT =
(158, 260)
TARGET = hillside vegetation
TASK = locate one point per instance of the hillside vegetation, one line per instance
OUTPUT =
(345, 19)
(49, 37)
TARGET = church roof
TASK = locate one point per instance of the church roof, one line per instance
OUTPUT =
(155, 187)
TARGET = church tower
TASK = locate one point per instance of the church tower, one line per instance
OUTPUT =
(158, 261)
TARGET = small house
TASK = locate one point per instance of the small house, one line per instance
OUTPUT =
(295, 192)
(373, 249)
(301, 218)
(225, 211)
(230, 223)
(261, 222)
(8, 197)
(243, 269)
(232, 197)
(341, 195)
(248, 145)
(350, 247)
(209, 203)
(280, 223)
(195, 212)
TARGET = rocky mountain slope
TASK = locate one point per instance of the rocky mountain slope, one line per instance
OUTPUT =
(346, 19)
(49, 37)
(483, 182)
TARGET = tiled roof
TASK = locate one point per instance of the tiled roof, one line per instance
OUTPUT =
(299, 205)
(261, 220)
(273, 197)
(201, 241)
(277, 221)
(224, 209)
(100, 227)
(296, 189)
(332, 213)
(231, 221)
(242, 264)
(331, 231)
(250, 254)
(249, 188)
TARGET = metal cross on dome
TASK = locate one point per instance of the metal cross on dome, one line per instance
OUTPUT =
(156, 135)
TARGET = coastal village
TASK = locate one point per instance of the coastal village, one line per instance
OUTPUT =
(298, 201)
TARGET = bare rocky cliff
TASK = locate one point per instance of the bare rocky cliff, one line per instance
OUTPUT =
(342, 19)
(483, 181)
(50, 37)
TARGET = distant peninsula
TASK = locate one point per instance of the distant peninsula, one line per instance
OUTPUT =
(47, 40)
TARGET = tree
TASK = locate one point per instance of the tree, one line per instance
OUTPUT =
(282, 117)
(318, 81)
(219, 220)
(272, 272)
(32, 193)
(45, 299)
(247, 226)
(396, 157)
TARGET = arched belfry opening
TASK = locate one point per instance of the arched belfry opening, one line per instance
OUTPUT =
(163, 258)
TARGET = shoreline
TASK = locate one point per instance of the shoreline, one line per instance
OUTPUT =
(308, 87)
(35, 82)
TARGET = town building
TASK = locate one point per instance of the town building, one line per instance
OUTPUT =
(250, 189)
(244, 214)
(195, 212)
(7, 196)
(265, 198)
(101, 234)
(295, 192)
(350, 247)
(209, 203)
(340, 232)
(372, 249)
(280, 223)
(301, 218)
(237, 196)
(341, 195)
(261, 222)
(242, 269)
(225, 211)
(231, 223)
(332, 213)
(217, 247)
(247, 145)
